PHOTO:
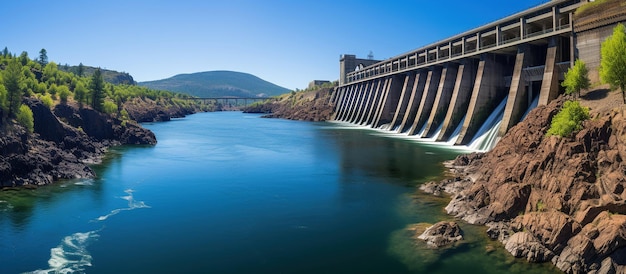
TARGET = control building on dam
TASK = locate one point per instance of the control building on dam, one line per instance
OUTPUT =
(471, 87)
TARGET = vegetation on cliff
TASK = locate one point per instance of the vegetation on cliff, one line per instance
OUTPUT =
(52, 85)
(54, 123)
(569, 119)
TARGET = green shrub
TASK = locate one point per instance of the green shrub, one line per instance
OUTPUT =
(46, 100)
(25, 118)
(109, 107)
(64, 93)
(569, 119)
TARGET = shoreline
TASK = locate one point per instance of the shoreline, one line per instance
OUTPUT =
(548, 199)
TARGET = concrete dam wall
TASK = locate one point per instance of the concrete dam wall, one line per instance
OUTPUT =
(469, 89)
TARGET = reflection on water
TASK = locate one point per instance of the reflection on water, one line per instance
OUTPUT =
(233, 193)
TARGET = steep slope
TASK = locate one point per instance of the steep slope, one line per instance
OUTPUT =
(311, 105)
(218, 84)
(551, 198)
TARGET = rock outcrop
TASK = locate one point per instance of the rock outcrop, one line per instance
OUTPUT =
(550, 198)
(441, 234)
(305, 106)
(147, 110)
(63, 144)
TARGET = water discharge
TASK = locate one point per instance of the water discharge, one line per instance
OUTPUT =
(487, 135)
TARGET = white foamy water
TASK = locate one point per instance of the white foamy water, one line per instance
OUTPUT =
(71, 255)
(132, 204)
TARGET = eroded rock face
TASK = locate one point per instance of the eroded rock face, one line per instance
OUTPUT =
(305, 106)
(551, 198)
(442, 234)
(61, 148)
(525, 245)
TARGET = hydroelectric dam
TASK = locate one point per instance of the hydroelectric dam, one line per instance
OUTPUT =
(471, 88)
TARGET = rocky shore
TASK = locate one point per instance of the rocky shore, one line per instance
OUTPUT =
(66, 140)
(549, 198)
(304, 106)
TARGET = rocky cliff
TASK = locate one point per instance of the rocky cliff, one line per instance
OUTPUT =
(65, 141)
(305, 105)
(550, 198)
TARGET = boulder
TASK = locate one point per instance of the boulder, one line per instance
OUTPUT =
(442, 234)
(524, 245)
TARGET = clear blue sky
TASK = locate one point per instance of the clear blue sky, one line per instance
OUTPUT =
(286, 42)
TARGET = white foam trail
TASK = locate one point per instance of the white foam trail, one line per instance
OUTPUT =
(86, 182)
(132, 204)
(71, 255)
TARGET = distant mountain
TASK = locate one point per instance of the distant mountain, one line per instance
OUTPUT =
(218, 84)
(111, 76)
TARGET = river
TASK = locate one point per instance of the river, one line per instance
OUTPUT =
(229, 192)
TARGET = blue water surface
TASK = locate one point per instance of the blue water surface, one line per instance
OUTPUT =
(230, 192)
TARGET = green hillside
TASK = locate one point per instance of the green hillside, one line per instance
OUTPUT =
(111, 76)
(217, 84)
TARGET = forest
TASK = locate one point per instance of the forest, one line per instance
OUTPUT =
(21, 76)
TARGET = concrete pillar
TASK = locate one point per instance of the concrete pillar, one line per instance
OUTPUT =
(377, 101)
(550, 82)
(517, 102)
(487, 93)
(416, 97)
(359, 96)
(404, 101)
(347, 101)
(390, 101)
(459, 101)
(359, 106)
(340, 100)
(426, 104)
(442, 100)
(368, 101)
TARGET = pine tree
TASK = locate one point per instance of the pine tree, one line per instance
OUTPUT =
(13, 84)
(43, 57)
(96, 87)
(81, 70)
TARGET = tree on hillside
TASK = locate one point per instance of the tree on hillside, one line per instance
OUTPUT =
(576, 78)
(613, 61)
(12, 78)
(81, 70)
(43, 57)
(5, 52)
(24, 58)
(80, 94)
(96, 87)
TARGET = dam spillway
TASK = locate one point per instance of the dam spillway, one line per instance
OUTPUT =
(447, 91)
